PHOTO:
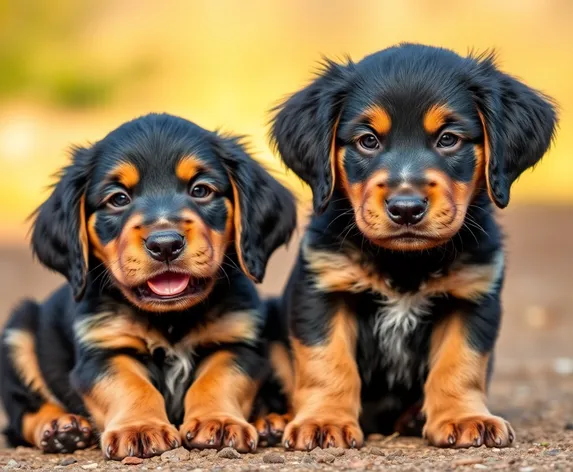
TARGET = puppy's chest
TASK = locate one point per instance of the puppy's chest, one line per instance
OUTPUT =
(173, 370)
(394, 332)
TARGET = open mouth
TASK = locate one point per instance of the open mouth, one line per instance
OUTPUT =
(170, 286)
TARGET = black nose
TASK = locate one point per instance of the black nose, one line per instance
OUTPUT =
(406, 209)
(165, 246)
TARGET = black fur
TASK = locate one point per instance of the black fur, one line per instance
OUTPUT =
(154, 145)
(406, 81)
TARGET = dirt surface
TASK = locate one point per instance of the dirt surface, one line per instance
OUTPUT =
(532, 386)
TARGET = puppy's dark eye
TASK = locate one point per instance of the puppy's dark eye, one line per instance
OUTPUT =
(447, 140)
(369, 142)
(119, 200)
(201, 192)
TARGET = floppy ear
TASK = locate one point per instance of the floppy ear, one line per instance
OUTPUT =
(59, 236)
(519, 123)
(264, 210)
(304, 130)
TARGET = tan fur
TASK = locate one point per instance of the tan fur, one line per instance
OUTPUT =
(126, 174)
(219, 402)
(33, 424)
(455, 392)
(486, 155)
(130, 411)
(346, 271)
(120, 330)
(435, 118)
(379, 119)
(22, 352)
(188, 167)
(327, 389)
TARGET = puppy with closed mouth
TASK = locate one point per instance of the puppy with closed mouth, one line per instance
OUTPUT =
(160, 229)
(394, 301)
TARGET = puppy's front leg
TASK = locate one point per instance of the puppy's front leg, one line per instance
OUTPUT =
(125, 405)
(326, 395)
(218, 403)
(455, 390)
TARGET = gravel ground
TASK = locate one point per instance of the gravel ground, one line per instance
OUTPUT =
(539, 405)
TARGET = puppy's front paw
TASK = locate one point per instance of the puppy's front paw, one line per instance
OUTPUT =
(219, 431)
(139, 440)
(65, 434)
(307, 434)
(469, 431)
(271, 427)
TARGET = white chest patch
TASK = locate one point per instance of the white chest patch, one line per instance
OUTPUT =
(395, 320)
(178, 367)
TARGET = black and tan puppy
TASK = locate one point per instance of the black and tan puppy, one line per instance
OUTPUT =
(395, 298)
(160, 322)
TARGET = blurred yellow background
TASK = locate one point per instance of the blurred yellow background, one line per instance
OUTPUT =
(70, 71)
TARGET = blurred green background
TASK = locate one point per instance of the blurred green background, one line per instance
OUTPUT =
(70, 71)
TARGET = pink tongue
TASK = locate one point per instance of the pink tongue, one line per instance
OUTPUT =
(168, 283)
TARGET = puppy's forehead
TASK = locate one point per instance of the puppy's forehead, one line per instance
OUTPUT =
(407, 81)
(157, 149)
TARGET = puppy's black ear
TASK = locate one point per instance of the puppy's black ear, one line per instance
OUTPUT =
(304, 130)
(264, 210)
(59, 236)
(519, 123)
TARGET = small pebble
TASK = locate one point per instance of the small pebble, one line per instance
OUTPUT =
(12, 464)
(526, 469)
(569, 426)
(376, 451)
(93, 465)
(207, 452)
(308, 459)
(552, 452)
(228, 453)
(397, 453)
(360, 464)
(321, 456)
(67, 461)
(273, 458)
(481, 467)
(132, 460)
(176, 455)
(467, 461)
(336, 451)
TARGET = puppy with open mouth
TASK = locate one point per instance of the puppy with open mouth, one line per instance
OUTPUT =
(160, 228)
(395, 298)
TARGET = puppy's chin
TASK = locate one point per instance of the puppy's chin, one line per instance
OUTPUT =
(168, 292)
(406, 239)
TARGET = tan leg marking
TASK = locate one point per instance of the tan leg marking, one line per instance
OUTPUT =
(271, 427)
(457, 415)
(217, 406)
(22, 348)
(326, 396)
(130, 412)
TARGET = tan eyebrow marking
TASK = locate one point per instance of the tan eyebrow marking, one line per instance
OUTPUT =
(379, 119)
(188, 167)
(436, 117)
(126, 174)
